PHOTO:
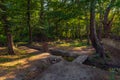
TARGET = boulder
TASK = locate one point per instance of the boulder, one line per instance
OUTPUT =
(72, 71)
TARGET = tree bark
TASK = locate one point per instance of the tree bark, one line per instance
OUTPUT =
(10, 43)
(28, 21)
(100, 26)
(93, 35)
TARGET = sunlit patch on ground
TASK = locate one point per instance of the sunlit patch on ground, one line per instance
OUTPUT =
(28, 50)
(24, 61)
(21, 64)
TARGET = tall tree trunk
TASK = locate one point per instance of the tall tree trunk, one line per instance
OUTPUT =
(6, 28)
(106, 22)
(100, 32)
(28, 21)
(42, 12)
(10, 43)
(41, 16)
(100, 27)
(93, 36)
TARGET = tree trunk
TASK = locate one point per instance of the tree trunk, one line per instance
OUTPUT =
(8, 38)
(42, 13)
(100, 32)
(28, 21)
(100, 28)
(10, 43)
(93, 36)
(106, 22)
(6, 28)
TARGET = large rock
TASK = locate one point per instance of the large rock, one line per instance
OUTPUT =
(72, 71)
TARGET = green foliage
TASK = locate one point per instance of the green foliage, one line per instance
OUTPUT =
(64, 19)
(78, 43)
(2, 40)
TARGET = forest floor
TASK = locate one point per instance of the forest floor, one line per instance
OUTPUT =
(23, 65)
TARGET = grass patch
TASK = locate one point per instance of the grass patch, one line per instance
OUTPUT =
(74, 43)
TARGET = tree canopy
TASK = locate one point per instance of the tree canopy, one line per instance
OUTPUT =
(38, 20)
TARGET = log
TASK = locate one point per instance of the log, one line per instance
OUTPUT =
(64, 53)
(80, 59)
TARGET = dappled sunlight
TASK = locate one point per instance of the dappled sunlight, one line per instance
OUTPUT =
(7, 76)
(25, 61)
(83, 50)
(10, 56)
(79, 48)
(38, 34)
(3, 50)
(21, 52)
(74, 46)
(28, 50)
(65, 44)
(18, 65)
